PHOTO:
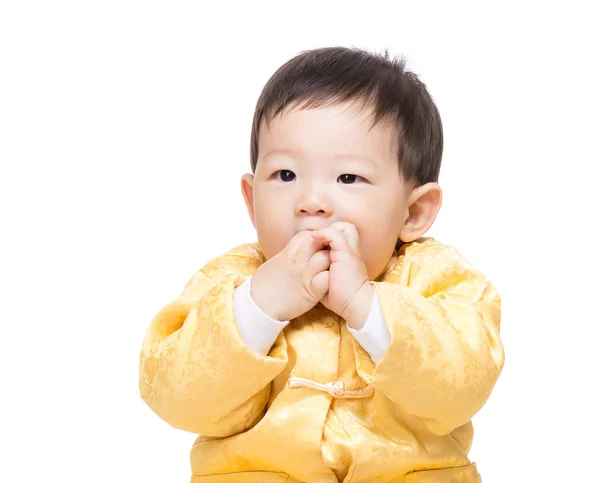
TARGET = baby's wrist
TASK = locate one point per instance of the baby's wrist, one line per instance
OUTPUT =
(257, 295)
(358, 309)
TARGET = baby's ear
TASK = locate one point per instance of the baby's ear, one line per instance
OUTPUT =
(423, 205)
(247, 185)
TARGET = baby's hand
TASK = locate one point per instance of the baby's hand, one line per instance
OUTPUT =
(293, 281)
(349, 284)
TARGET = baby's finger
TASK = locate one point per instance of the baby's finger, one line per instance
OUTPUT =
(320, 284)
(351, 234)
(333, 237)
(319, 262)
(303, 246)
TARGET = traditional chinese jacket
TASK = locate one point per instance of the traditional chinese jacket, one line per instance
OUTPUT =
(317, 408)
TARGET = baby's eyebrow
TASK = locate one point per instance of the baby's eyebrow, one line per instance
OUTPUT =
(357, 157)
(288, 152)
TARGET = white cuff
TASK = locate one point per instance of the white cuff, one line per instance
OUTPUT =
(374, 337)
(257, 329)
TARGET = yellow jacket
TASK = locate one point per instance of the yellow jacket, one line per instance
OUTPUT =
(414, 426)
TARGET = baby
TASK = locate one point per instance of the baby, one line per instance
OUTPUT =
(343, 345)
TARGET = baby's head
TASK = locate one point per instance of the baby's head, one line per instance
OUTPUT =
(341, 134)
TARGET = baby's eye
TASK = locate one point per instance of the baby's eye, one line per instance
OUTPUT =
(286, 175)
(350, 178)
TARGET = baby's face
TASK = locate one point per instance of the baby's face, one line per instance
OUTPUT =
(320, 166)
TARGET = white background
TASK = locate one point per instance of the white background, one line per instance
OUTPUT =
(124, 132)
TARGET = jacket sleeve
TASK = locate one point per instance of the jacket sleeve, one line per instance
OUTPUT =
(445, 355)
(195, 371)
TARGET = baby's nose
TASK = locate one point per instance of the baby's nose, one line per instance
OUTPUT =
(315, 204)
(313, 211)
